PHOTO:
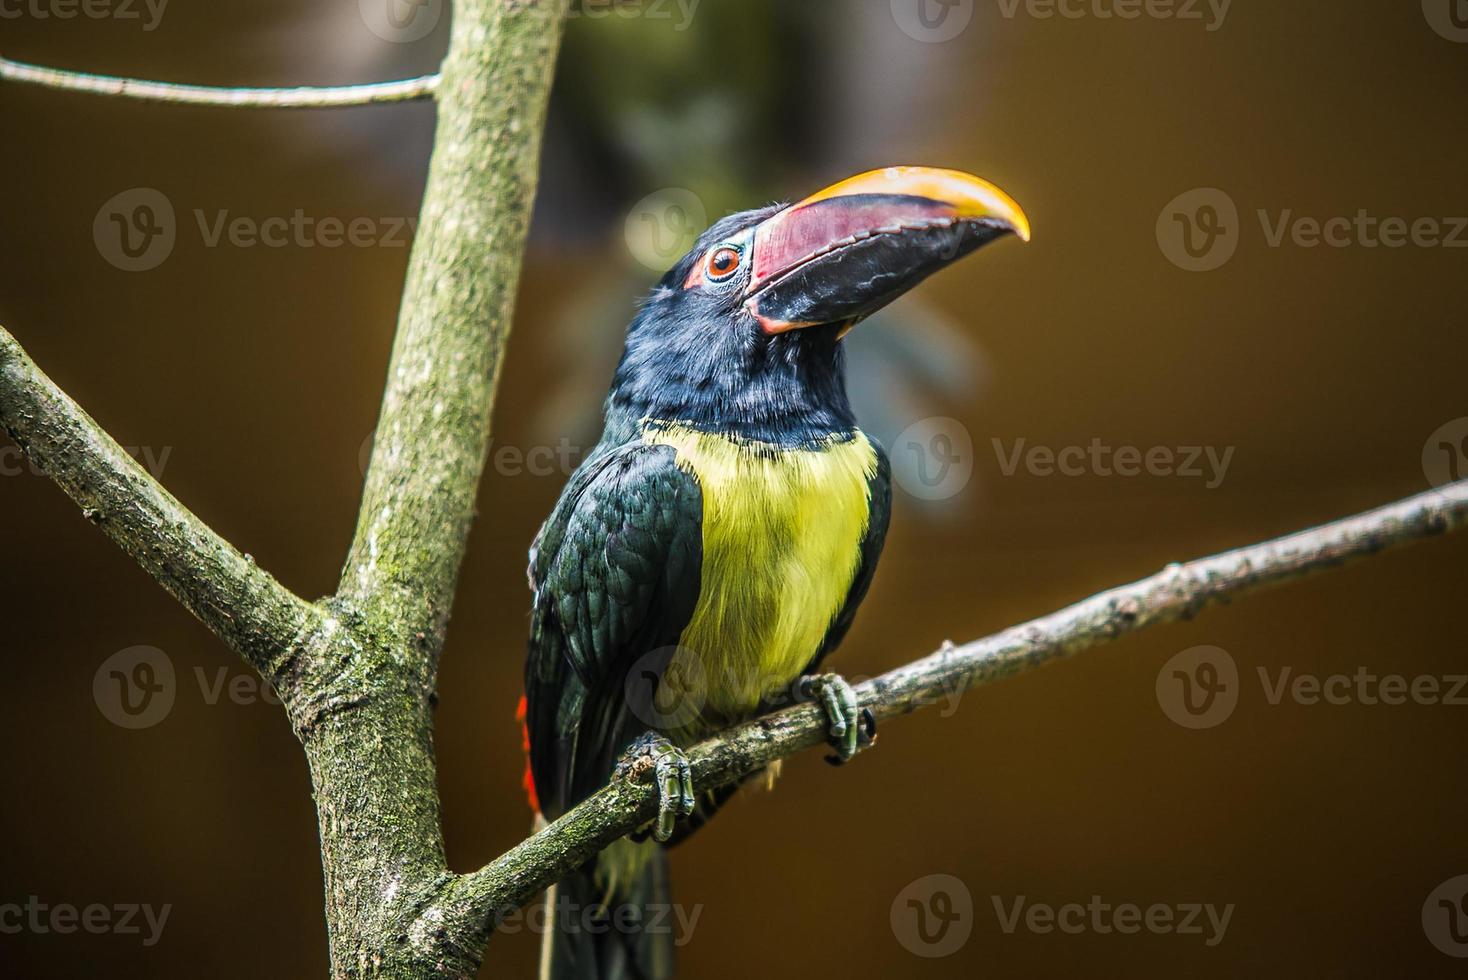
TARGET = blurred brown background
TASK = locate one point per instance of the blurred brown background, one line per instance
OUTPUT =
(251, 374)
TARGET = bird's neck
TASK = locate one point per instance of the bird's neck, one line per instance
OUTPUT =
(792, 404)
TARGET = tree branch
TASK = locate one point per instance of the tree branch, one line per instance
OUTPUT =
(361, 665)
(303, 97)
(245, 606)
(367, 723)
(433, 430)
(472, 903)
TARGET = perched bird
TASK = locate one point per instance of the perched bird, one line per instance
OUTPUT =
(714, 546)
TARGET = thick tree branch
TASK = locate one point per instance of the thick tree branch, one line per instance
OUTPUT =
(303, 97)
(433, 430)
(471, 903)
(245, 606)
(367, 726)
(362, 665)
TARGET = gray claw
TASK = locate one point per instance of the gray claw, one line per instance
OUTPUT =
(672, 776)
(848, 721)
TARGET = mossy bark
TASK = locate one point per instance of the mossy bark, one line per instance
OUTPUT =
(367, 726)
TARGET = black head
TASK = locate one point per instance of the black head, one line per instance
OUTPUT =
(743, 335)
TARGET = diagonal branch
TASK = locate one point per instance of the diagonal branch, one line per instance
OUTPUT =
(433, 431)
(245, 606)
(303, 97)
(471, 903)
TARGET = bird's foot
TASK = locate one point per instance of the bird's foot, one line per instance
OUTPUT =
(672, 776)
(852, 727)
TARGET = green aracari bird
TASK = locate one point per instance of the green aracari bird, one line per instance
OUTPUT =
(712, 549)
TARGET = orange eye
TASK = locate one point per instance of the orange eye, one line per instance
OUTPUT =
(723, 263)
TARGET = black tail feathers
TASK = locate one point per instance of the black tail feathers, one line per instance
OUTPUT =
(612, 925)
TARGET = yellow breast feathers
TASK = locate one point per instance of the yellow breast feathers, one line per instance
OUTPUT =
(782, 534)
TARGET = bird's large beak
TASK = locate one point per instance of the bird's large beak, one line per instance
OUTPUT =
(846, 252)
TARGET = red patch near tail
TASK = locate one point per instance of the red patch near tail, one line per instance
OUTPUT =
(529, 779)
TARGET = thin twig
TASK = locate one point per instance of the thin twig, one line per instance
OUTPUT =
(226, 590)
(1178, 592)
(303, 97)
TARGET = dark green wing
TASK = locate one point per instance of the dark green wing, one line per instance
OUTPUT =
(615, 572)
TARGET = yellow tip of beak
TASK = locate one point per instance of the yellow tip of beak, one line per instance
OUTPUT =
(970, 197)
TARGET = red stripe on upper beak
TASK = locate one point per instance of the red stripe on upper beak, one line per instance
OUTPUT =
(900, 198)
(927, 211)
(804, 232)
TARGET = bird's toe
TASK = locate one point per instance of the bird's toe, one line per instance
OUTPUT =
(851, 727)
